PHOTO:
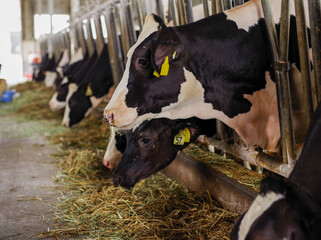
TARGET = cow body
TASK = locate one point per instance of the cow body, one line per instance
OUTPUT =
(219, 67)
(58, 100)
(288, 209)
(91, 89)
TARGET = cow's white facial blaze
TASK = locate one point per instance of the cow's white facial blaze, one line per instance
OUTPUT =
(112, 155)
(117, 105)
(261, 204)
(56, 105)
(72, 87)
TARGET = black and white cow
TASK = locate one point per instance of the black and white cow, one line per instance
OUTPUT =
(219, 67)
(47, 63)
(288, 210)
(152, 146)
(91, 89)
(58, 100)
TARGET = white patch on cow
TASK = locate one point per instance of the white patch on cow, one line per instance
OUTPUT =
(63, 62)
(94, 103)
(117, 102)
(190, 103)
(56, 105)
(64, 80)
(50, 78)
(77, 56)
(257, 209)
(112, 155)
(72, 87)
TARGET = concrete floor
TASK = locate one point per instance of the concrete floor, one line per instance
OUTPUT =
(27, 190)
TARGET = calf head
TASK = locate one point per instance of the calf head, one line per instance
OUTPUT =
(151, 147)
(152, 79)
(279, 212)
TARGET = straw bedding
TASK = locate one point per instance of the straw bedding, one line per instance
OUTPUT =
(92, 207)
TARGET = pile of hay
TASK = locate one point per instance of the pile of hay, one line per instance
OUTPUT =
(156, 208)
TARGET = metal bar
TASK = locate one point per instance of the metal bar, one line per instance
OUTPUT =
(139, 14)
(174, 12)
(114, 47)
(315, 29)
(219, 6)
(181, 17)
(227, 4)
(253, 156)
(81, 37)
(304, 59)
(159, 8)
(90, 40)
(274, 47)
(100, 42)
(130, 24)
(284, 81)
(125, 42)
(238, 2)
(198, 176)
(188, 11)
(206, 8)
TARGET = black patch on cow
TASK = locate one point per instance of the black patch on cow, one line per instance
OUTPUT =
(62, 91)
(79, 104)
(228, 61)
(147, 92)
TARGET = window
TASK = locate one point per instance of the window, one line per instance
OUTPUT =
(46, 25)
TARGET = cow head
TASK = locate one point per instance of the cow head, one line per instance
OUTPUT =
(151, 147)
(279, 212)
(79, 105)
(152, 79)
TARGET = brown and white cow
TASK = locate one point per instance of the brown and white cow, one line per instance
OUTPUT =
(219, 67)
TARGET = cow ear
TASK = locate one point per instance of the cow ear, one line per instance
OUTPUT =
(168, 45)
(186, 134)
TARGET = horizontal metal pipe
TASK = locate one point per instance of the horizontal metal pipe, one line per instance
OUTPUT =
(253, 156)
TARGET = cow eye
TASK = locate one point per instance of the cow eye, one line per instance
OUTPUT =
(145, 141)
(142, 62)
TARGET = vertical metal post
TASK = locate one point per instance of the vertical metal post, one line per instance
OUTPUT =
(315, 27)
(238, 2)
(114, 47)
(139, 14)
(174, 12)
(282, 84)
(206, 8)
(188, 11)
(130, 23)
(100, 38)
(219, 6)
(159, 7)
(181, 16)
(227, 4)
(90, 39)
(304, 59)
(81, 37)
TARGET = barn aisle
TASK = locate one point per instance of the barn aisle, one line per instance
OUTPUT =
(28, 191)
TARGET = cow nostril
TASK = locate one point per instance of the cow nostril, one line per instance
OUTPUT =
(109, 118)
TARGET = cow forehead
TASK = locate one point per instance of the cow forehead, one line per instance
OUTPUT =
(149, 27)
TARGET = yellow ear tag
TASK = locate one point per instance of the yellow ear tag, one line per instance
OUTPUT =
(187, 135)
(156, 73)
(165, 67)
(179, 139)
(89, 92)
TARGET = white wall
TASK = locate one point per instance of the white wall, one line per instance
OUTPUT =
(10, 22)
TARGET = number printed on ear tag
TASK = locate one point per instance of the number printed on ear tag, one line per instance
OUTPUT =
(179, 139)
